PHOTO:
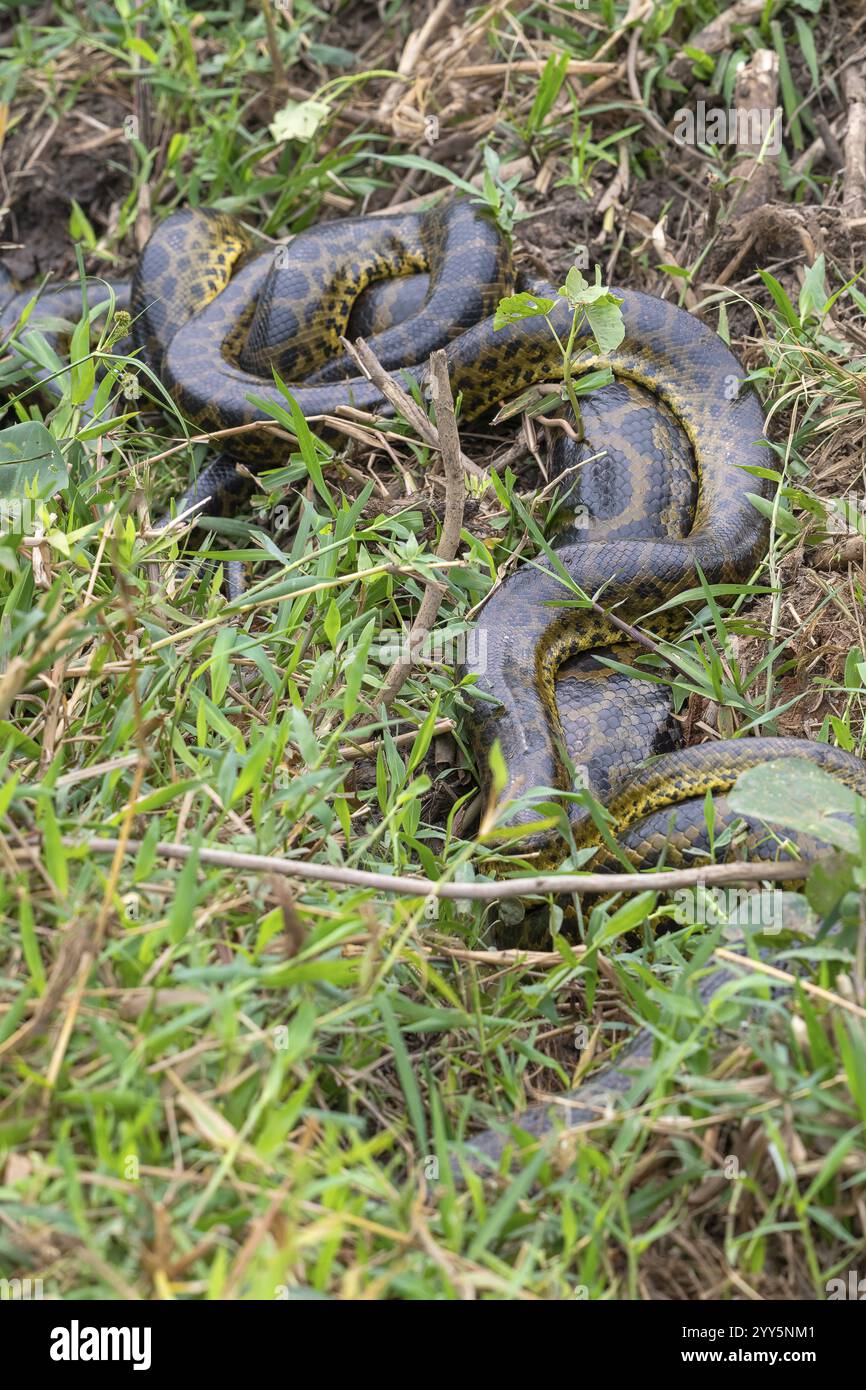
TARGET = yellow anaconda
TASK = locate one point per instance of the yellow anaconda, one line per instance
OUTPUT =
(664, 509)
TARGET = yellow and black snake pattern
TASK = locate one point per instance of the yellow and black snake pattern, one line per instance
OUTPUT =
(657, 494)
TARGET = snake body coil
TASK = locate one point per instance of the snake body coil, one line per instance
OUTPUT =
(660, 482)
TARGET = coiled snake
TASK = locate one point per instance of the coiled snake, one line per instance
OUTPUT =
(666, 504)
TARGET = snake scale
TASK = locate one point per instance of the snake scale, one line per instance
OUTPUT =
(659, 482)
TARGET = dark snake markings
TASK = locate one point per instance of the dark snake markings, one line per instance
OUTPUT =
(666, 503)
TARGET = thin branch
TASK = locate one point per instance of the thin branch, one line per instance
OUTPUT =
(665, 881)
(348, 752)
(575, 67)
(402, 401)
(276, 56)
(270, 426)
(854, 186)
(449, 540)
(413, 51)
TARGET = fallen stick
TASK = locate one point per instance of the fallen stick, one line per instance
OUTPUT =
(756, 94)
(854, 185)
(402, 401)
(449, 540)
(664, 881)
(576, 67)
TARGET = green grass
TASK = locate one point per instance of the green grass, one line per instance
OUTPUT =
(253, 1086)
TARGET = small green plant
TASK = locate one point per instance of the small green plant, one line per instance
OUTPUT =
(594, 305)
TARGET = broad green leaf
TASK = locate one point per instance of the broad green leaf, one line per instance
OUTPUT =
(29, 939)
(606, 322)
(80, 228)
(498, 769)
(140, 46)
(31, 465)
(828, 883)
(332, 623)
(405, 1072)
(626, 918)
(794, 793)
(515, 307)
(220, 670)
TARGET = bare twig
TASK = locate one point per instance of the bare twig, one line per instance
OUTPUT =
(736, 260)
(832, 148)
(757, 89)
(351, 751)
(413, 50)
(402, 401)
(276, 56)
(854, 187)
(270, 426)
(74, 958)
(665, 881)
(455, 493)
(576, 67)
